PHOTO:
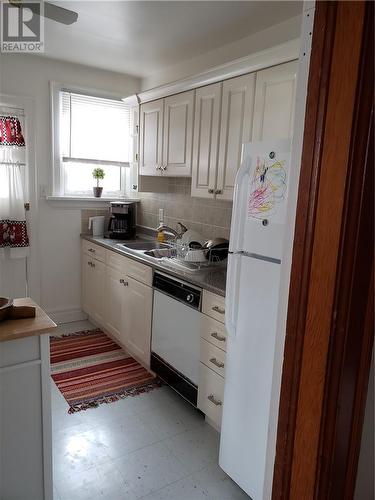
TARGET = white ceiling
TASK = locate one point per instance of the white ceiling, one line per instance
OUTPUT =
(142, 37)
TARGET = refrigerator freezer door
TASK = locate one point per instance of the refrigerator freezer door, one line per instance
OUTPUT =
(259, 206)
(248, 379)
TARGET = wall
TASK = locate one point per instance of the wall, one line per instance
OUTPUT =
(209, 217)
(275, 35)
(365, 475)
(59, 223)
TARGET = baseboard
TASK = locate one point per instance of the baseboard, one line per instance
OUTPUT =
(60, 316)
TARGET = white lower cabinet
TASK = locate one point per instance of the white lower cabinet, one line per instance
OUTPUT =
(137, 310)
(210, 394)
(212, 358)
(25, 416)
(117, 295)
(114, 302)
(93, 276)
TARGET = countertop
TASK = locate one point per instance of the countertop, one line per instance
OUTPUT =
(12, 329)
(213, 280)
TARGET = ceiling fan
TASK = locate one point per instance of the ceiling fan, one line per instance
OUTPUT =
(51, 11)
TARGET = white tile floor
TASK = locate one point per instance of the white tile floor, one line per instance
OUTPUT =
(153, 446)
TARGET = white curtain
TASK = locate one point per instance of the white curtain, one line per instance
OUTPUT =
(12, 196)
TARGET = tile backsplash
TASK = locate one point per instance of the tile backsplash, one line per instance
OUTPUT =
(210, 217)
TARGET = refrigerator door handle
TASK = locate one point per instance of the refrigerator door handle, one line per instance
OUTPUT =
(239, 201)
(232, 294)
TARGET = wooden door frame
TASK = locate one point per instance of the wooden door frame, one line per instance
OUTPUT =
(329, 336)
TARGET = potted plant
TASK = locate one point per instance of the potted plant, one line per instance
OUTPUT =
(98, 173)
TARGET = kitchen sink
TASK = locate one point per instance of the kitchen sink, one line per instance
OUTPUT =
(167, 253)
(143, 246)
(160, 253)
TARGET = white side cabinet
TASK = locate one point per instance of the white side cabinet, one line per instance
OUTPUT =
(25, 409)
(275, 97)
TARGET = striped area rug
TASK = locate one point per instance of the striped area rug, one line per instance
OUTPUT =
(89, 368)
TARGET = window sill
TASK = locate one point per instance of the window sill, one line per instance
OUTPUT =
(84, 202)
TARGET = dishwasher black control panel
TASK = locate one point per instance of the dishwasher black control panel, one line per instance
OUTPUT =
(179, 290)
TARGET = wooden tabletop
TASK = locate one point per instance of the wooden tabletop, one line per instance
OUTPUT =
(12, 329)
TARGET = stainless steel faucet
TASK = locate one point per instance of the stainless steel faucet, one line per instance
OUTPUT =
(172, 232)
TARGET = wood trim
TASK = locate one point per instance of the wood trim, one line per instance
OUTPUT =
(330, 110)
(352, 333)
(317, 95)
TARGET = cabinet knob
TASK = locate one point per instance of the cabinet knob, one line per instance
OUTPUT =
(123, 282)
(92, 250)
(217, 363)
(211, 191)
(213, 400)
(218, 337)
(218, 191)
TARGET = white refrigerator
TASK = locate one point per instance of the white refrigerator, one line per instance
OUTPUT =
(252, 292)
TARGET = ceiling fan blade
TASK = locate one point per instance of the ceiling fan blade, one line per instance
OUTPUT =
(59, 14)
(51, 11)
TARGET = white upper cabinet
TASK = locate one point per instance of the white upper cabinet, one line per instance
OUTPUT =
(166, 131)
(200, 133)
(206, 138)
(151, 136)
(236, 127)
(274, 102)
(178, 134)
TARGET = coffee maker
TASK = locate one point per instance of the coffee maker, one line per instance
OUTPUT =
(122, 220)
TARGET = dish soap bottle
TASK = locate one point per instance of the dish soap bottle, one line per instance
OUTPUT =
(161, 235)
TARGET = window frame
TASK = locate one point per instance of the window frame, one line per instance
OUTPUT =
(57, 183)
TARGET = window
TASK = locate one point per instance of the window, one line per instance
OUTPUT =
(89, 132)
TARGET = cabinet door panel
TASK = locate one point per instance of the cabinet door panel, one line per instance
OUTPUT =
(274, 102)
(151, 135)
(98, 279)
(87, 284)
(205, 142)
(236, 125)
(114, 301)
(178, 132)
(136, 332)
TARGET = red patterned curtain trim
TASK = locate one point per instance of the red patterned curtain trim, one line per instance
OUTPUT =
(13, 234)
(11, 132)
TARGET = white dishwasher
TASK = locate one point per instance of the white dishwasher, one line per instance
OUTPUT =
(176, 334)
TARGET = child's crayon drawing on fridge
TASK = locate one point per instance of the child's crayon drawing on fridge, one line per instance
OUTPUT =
(267, 187)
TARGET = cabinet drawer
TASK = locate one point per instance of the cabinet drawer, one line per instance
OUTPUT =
(212, 357)
(213, 331)
(210, 394)
(116, 261)
(139, 271)
(214, 305)
(95, 251)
